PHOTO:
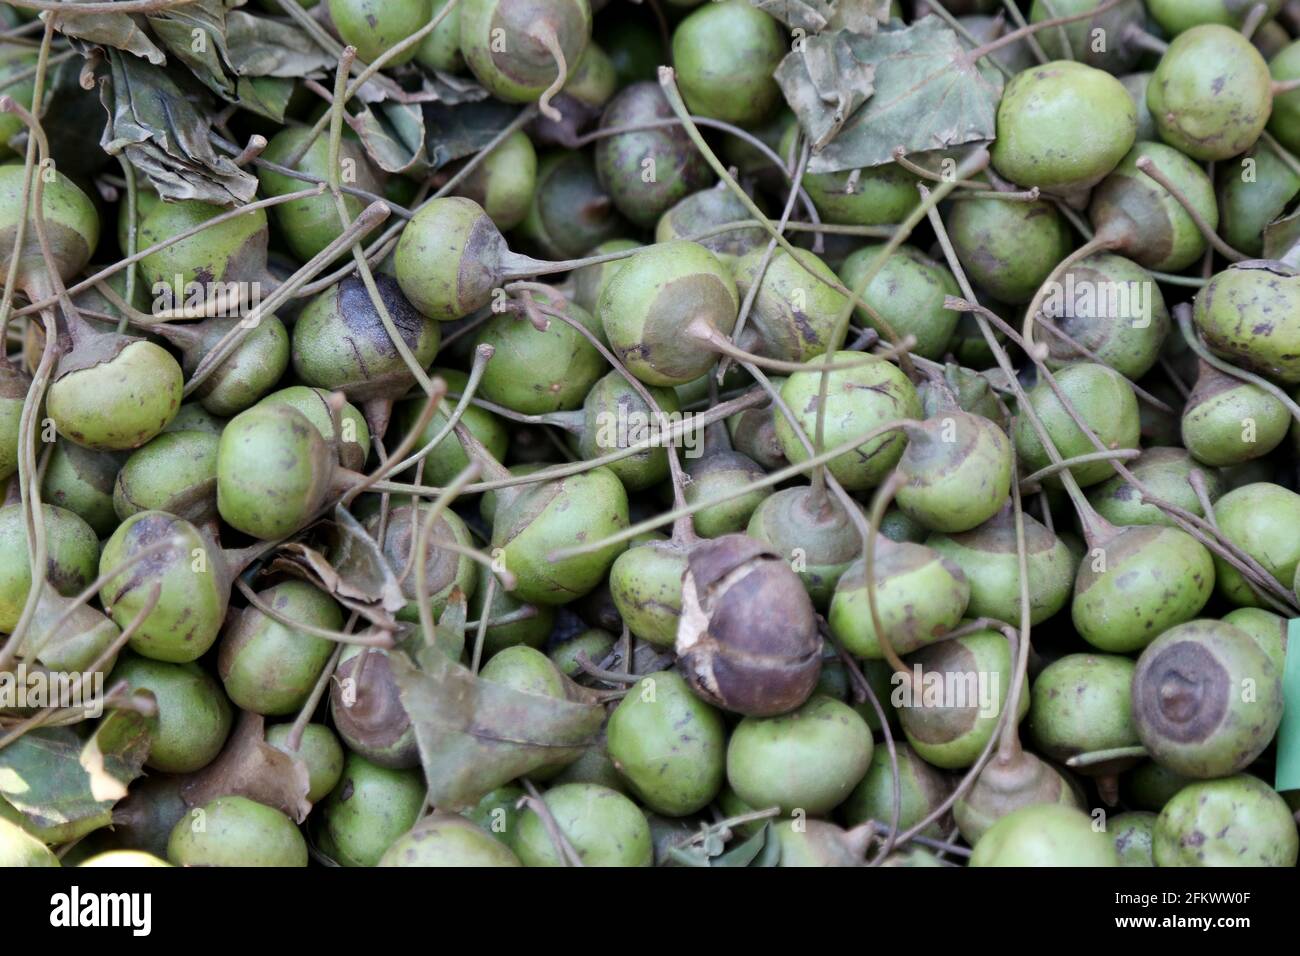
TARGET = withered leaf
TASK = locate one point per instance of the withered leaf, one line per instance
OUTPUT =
(260, 46)
(250, 767)
(393, 135)
(928, 95)
(122, 31)
(195, 34)
(825, 83)
(475, 735)
(1282, 239)
(454, 132)
(814, 16)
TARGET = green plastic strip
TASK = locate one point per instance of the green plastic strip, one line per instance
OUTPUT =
(1288, 735)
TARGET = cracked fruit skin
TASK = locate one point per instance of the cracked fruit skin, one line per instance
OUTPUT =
(120, 403)
(445, 839)
(1153, 579)
(195, 590)
(669, 745)
(1062, 127)
(1045, 834)
(809, 759)
(858, 399)
(730, 81)
(1235, 821)
(559, 514)
(1211, 94)
(237, 832)
(194, 716)
(604, 827)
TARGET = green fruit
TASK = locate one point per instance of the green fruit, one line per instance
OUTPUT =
(367, 711)
(176, 472)
(504, 43)
(669, 744)
(604, 828)
(590, 281)
(447, 840)
(236, 831)
(908, 293)
(1228, 421)
(1237, 821)
(951, 710)
(1077, 40)
(719, 474)
(817, 843)
(1211, 94)
(1106, 403)
(368, 811)
(1253, 192)
(505, 182)
(858, 399)
(1268, 630)
(194, 581)
(1257, 518)
(703, 212)
(532, 630)
(194, 716)
(319, 750)
(730, 81)
(870, 196)
(124, 858)
(615, 416)
(1166, 472)
(18, 848)
(15, 60)
(1045, 834)
(72, 553)
(119, 403)
(808, 760)
(526, 670)
(250, 372)
(1062, 127)
(920, 597)
(440, 50)
(1150, 786)
(570, 211)
(1006, 785)
(267, 667)
(1008, 248)
(1080, 704)
(645, 582)
(1176, 16)
(1250, 315)
(1206, 699)
(497, 812)
(594, 644)
(372, 26)
(794, 316)
(1136, 84)
(229, 253)
(450, 258)
(956, 471)
(353, 436)
(71, 228)
(448, 458)
(650, 301)
(14, 383)
(1133, 835)
(817, 537)
(921, 789)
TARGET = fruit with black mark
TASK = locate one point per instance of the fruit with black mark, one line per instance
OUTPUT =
(1234, 821)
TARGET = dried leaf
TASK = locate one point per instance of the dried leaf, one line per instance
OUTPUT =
(265, 95)
(928, 95)
(195, 34)
(55, 780)
(165, 136)
(449, 634)
(825, 84)
(814, 16)
(475, 736)
(393, 135)
(454, 132)
(259, 46)
(1282, 239)
(250, 767)
(122, 31)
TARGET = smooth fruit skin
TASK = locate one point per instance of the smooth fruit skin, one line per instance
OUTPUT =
(72, 555)
(526, 670)
(368, 811)
(908, 293)
(372, 26)
(645, 582)
(1285, 120)
(858, 399)
(1008, 248)
(1062, 126)
(818, 538)
(444, 839)
(319, 749)
(957, 468)
(504, 183)
(1102, 398)
(273, 471)
(1258, 518)
(353, 436)
(1249, 201)
(1227, 421)
(793, 316)
(1236, 821)
(1268, 630)
(194, 595)
(448, 458)
(1166, 472)
(1211, 93)
(732, 80)
(1177, 16)
(570, 211)
(71, 226)
(1116, 55)
(590, 281)
(1004, 786)
(718, 474)
(500, 42)
(920, 596)
(678, 167)
(1133, 834)
(554, 515)
(1045, 834)
(250, 372)
(651, 300)
(1207, 699)
(232, 251)
(809, 760)
(1250, 314)
(669, 745)
(949, 720)
(616, 416)
(876, 196)
(120, 403)
(1080, 703)
(18, 848)
(921, 789)
(604, 827)
(123, 858)
(268, 668)
(534, 372)
(440, 50)
(14, 383)
(194, 717)
(448, 258)
(176, 472)
(236, 832)
(1144, 581)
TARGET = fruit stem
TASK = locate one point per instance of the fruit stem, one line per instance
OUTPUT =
(1098, 243)
(881, 502)
(1009, 742)
(1018, 19)
(440, 504)
(703, 331)
(1183, 315)
(1092, 758)
(544, 33)
(1029, 29)
(1148, 166)
(1136, 36)
(1122, 454)
(294, 740)
(381, 638)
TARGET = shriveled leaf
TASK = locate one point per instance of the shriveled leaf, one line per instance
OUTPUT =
(475, 736)
(360, 562)
(928, 95)
(1282, 239)
(825, 84)
(770, 854)
(58, 782)
(260, 46)
(165, 136)
(195, 34)
(265, 95)
(814, 16)
(745, 852)
(121, 31)
(450, 631)
(250, 767)
(454, 132)
(393, 135)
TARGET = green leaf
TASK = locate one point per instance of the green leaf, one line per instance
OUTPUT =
(454, 132)
(927, 95)
(259, 46)
(195, 34)
(770, 855)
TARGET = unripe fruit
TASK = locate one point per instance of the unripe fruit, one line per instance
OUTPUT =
(444, 839)
(909, 293)
(368, 811)
(72, 553)
(372, 26)
(319, 750)
(1257, 518)
(1044, 835)
(510, 46)
(237, 832)
(604, 828)
(731, 81)
(1236, 821)
(194, 716)
(1008, 248)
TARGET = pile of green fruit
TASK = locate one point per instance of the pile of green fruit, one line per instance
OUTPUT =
(593, 432)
